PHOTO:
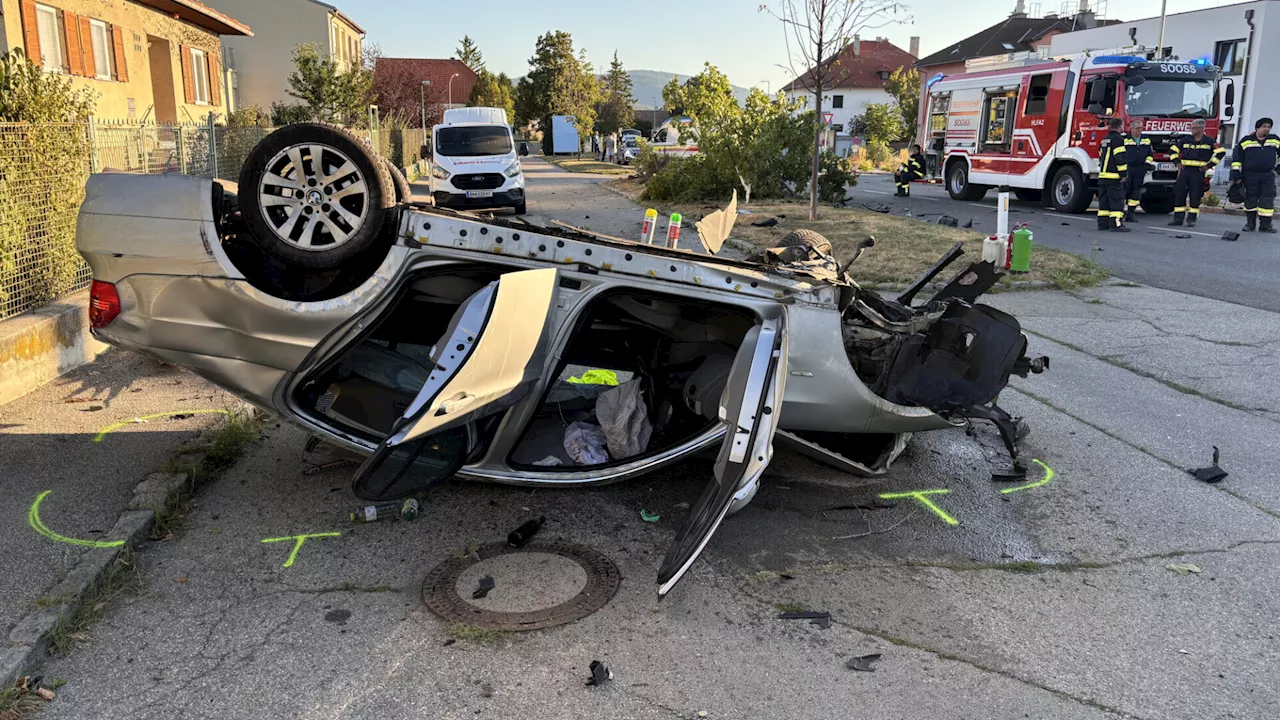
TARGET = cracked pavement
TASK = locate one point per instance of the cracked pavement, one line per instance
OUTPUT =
(1050, 602)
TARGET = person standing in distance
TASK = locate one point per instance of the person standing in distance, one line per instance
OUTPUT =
(1195, 154)
(1254, 164)
(1137, 154)
(1112, 171)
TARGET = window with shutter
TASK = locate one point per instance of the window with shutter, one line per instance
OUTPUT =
(71, 35)
(188, 82)
(50, 39)
(31, 31)
(200, 76)
(117, 47)
(215, 81)
(100, 35)
(87, 47)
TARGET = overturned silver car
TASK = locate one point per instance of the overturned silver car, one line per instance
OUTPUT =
(442, 344)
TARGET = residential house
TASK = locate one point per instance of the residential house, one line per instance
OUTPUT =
(855, 80)
(1236, 38)
(155, 60)
(1018, 33)
(398, 83)
(262, 65)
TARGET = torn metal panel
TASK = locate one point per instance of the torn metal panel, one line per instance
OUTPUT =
(714, 229)
(810, 446)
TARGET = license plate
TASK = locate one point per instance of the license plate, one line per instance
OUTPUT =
(479, 193)
(1167, 167)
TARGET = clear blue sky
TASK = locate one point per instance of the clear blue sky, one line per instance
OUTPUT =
(745, 44)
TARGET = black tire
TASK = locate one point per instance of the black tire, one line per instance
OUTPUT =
(1068, 191)
(1026, 195)
(959, 187)
(806, 237)
(401, 183)
(337, 231)
(1161, 204)
(521, 208)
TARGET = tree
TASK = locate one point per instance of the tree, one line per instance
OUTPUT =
(330, 93)
(904, 86)
(815, 32)
(470, 55)
(494, 91)
(559, 82)
(881, 123)
(617, 105)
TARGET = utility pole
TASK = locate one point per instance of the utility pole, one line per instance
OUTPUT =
(451, 87)
(1164, 7)
(422, 101)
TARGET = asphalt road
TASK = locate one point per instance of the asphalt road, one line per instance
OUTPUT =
(1243, 272)
(1051, 601)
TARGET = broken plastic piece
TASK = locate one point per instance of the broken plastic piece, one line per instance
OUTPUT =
(523, 534)
(969, 224)
(1230, 235)
(948, 221)
(766, 223)
(862, 663)
(599, 674)
(1183, 568)
(1017, 474)
(880, 208)
(1183, 236)
(486, 584)
(821, 619)
(1211, 474)
(646, 516)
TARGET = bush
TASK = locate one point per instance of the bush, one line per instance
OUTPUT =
(44, 161)
(1212, 200)
(288, 114)
(834, 173)
(249, 116)
(878, 152)
(686, 179)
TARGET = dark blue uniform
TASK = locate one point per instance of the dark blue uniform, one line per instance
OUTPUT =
(1112, 171)
(1194, 158)
(912, 169)
(1254, 164)
(1137, 154)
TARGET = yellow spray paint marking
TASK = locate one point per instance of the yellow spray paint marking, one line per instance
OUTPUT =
(1048, 475)
(33, 519)
(922, 496)
(103, 433)
(300, 539)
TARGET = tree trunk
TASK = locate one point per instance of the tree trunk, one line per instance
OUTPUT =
(817, 141)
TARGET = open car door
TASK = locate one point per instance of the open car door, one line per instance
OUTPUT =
(489, 358)
(751, 405)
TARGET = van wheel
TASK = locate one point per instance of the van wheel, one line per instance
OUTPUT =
(959, 187)
(1026, 195)
(1070, 194)
(315, 195)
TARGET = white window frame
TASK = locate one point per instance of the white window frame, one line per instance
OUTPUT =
(103, 70)
(46, 14)
(200, 76)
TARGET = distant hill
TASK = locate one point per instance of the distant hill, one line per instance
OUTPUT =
(647, 85)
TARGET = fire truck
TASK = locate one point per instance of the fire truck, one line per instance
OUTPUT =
(1034, 124)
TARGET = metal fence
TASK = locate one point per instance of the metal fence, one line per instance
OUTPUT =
(43, 169)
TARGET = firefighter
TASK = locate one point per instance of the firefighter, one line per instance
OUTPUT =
(912, 169)
(1137, 154)
(1254, 164)
(1112, 171)
(1195, 154)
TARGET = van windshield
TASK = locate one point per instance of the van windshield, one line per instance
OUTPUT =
(473, 141)
(1171, 98)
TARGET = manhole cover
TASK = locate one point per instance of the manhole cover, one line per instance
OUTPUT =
(534, 576)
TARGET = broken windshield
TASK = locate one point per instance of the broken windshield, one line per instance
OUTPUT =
(1171, 98)
(473, 141)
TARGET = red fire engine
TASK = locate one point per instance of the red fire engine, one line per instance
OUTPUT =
(1034, 124)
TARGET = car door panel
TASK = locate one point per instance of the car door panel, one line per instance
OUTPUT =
(492, 356)
(750, 406)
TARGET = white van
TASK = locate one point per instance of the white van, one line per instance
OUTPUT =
(474, 163)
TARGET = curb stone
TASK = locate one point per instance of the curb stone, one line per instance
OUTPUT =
(28, 641)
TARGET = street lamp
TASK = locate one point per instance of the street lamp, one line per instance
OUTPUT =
(422, 101)
(451, 87)
(768, 88)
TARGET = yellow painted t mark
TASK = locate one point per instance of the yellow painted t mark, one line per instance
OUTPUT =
(104, 432)
(300, 539)
(1048, 475)
(33, 519)
(923, 497)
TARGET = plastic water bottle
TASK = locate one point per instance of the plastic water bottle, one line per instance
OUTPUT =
(406, 511)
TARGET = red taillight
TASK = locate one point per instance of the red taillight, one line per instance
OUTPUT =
(104, 304)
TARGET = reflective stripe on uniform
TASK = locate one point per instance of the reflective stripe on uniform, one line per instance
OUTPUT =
(1182, 208)
(1266, 212)
(1108, 176)
(1134, 203)
(1236, 165)
(1194, 210)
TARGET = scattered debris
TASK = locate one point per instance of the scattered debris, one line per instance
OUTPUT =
(770, 222)
(1211, 474)
(1017, 473)
(681, 506)
(1183, 568)
(969, 224)
(948, 221)
(317, 469)
(96, 408)
(1183, 236)
(483, 587)
(599, 674)
(862, 663)
(523, 534)
(870, 532)
(876, 504)
(821, 619)
(646, 516)
(1066, 223)
(879, 207)
(1230, 235)
(450, 641)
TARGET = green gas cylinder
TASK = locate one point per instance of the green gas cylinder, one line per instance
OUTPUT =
(1020, 259)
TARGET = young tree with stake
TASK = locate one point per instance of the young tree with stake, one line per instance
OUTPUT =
(816, 31)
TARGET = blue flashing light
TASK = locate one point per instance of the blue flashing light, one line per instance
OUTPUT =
(933, 80)
(1202, 62)
(1118, 59)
